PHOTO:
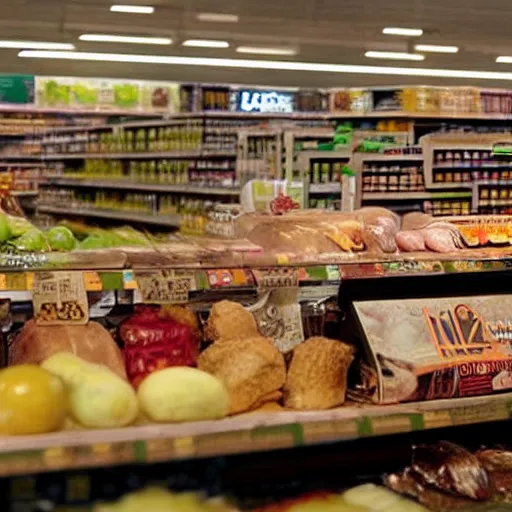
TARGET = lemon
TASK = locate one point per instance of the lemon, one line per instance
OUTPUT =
(32, 401)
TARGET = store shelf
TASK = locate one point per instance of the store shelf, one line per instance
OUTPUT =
(122, 156)
(24, 193)
(238, 273)
(462, 167)
(378, 157)
(406, 196)
(20, 157)
(325, 188)
(146, 218)
(132, 185)
(240, 434)
(421, 115)
(451, 185)
(25, 165)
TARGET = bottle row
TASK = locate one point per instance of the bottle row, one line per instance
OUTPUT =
(460, 176)
(325, 171)
(164, 172)
(495, 195)
(443, 207)
(180, 137)
(409, 180)
(193, 212)
(467, 158)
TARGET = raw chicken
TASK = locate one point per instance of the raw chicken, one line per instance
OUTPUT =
(410, 241)
(439, 240)
(380, 235)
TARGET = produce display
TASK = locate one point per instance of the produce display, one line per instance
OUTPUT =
(215, 359)
(152, 377)
(296, 237)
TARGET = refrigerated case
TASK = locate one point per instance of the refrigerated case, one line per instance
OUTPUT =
(262, 456)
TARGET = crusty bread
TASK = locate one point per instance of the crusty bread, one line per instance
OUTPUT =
(91, 342)
(317, 375)
(230, 320)
(252, 369)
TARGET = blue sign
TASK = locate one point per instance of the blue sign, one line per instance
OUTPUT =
(266, 101)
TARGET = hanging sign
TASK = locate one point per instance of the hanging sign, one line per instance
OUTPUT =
(250, 100)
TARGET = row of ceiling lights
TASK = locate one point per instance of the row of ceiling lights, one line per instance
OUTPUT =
(58, 51)
(147, 9)
(410, 32)
(232, 18)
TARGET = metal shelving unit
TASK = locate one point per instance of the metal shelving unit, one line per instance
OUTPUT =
(125, 216)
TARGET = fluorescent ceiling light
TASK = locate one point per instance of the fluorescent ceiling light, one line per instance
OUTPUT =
(435, 48)
(206, 43)
(266, 51)
(397, 31)
(36, 45)
(215, 17)
(134, 9)
(394, 55)
(504, 60)
(267, 64)
(110, 38)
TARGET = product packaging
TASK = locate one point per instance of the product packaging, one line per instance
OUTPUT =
(425, 349)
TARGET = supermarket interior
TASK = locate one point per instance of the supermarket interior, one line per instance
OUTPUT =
(254, 256)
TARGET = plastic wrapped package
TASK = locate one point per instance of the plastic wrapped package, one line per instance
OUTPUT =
(426, 349)
(311, 233)
(154, 341)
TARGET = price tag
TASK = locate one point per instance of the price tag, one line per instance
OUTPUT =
(164, 287)
(60, 298)
(92, 282)
(277, 277)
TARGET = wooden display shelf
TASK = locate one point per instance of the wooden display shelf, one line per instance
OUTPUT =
(250, 432)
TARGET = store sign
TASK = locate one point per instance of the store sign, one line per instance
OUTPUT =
(266, 101)
(103, 95)
(19, 89)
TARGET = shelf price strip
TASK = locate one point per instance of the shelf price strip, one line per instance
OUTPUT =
(343, 424)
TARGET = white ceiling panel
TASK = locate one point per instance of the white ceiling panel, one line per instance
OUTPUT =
(325, 31)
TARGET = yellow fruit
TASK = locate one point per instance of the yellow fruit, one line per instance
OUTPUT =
(98, 398)
(32, 401)
(183, 394)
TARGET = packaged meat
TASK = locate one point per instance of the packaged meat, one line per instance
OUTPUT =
(380, 235)
(410, 241)
(452, 469)
(439, 240)
(446, 477)
(153, 342)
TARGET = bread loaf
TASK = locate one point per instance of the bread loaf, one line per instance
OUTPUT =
(317, 375)
(228, 321)
(91, 342)
(252, 370)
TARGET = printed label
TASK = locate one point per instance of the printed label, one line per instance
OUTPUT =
(60, 298)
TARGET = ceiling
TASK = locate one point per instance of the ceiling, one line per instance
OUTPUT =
(323, 31)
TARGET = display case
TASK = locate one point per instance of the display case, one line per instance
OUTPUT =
(323, 328)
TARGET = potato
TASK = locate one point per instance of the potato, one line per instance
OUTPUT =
(183, 394)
